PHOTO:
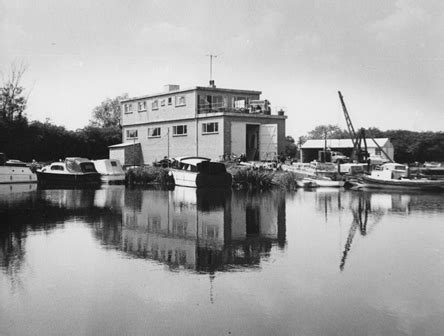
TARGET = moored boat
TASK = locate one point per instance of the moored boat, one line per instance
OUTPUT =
(314, 169)
(369, 181)
(110, 170)
(15, 171)
(396, 176)
(196, 172)
(325, 182)
(73, 171)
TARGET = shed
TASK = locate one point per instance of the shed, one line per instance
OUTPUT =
(311, 147)
(129, 154)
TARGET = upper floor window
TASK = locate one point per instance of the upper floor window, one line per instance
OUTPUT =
(180, 101)
(131, 134)
(180, 130)
(153, 132)
(208, 104)
(162, 102)
(170, 100)
(128, 108)
(208, 128)
(142, 106)
(155, 104)
(240, 102)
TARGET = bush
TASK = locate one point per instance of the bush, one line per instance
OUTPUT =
(148, 175)
(249, 178)
(286, 180)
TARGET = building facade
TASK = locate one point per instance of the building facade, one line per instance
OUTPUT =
(199, 121)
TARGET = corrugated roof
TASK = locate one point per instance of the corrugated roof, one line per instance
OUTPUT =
(341, 143)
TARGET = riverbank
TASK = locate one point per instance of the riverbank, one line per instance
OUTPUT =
(243, 178)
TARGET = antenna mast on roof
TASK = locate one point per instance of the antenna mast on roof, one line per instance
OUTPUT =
(211, 56)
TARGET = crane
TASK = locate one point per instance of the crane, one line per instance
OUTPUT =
(359, 154)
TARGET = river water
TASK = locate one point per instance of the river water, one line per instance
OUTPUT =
(122, 261)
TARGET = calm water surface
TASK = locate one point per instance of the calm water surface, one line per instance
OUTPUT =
(120, 261)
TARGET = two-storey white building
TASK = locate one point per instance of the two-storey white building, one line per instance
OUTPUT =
(201, 121)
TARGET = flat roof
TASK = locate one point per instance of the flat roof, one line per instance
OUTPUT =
(341, 143)
(194, 88)
(126, 144)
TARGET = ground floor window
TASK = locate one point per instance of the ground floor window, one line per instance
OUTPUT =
(153, 132)
(208, 128)
(131, 134)
(180, 130)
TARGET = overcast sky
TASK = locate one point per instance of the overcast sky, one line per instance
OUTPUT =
(387, 57)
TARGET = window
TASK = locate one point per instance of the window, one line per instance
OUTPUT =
(131, 134)
(57, 167)
(114, 163)
(128, 108)
(208, 104)
(212, 127)
(142, 106)
(180, 130)
(378, 151)
(180, 101)
(155, 104)
(240, 102)
(162, 102)
(154, 132)
(170, 100)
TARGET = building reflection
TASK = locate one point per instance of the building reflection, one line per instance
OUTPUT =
(203, 230)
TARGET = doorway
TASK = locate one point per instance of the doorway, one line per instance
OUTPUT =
(252, 142)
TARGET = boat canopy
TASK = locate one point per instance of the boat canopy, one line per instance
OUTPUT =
(79, 165)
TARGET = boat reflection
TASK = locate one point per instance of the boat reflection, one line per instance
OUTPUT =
(203, 230)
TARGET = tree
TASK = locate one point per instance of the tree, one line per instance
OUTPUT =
(12, 95)
(290, 147)
(331, 131)
(108, 113)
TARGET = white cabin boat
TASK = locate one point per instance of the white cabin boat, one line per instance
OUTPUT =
(15, 171)
(111, 171)
(73, 171)
(396, 176)
(195, 171)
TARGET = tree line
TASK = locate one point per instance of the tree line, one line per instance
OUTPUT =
(409, 146)
(43, 141)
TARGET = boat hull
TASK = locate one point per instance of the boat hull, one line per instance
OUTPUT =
(113, 178)
(12, 174)
(68, 179)
(199, 180)
(405, 184)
